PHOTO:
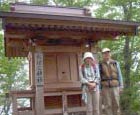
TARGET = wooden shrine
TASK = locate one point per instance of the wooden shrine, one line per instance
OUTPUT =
(54, 39)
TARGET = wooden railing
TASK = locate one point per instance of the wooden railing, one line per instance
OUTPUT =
(64, 108)
(26, 112)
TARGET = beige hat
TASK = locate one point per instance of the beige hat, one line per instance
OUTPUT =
(105, 50)
(88, 55)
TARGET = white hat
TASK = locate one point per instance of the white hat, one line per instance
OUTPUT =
(88, 54)
(105, 50)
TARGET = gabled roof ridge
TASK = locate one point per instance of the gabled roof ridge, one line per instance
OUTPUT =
(22, 3)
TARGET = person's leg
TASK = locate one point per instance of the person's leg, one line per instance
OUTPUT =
(89, 104)
(101, 104)
(96, 103)
(106, 96)
(115, 101)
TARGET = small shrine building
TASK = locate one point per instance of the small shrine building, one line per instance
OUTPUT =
(54, 39)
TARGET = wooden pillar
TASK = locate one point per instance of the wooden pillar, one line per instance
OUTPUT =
(94, 47)
(39, 81)
(14, 105)
(65, 105)
(80, 61)
(94, 50)
(32, 67)
(39, 99)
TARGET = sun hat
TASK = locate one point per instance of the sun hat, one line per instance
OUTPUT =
(88, 55)
(105, 50)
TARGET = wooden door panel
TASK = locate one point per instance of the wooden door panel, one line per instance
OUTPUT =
(50, 69)
(74, 67)
(63, 67)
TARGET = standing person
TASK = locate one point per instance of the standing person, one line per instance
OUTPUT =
(111, 83)
(89, 74)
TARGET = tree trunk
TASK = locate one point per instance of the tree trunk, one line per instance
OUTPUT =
(127, 63)
(125, 98)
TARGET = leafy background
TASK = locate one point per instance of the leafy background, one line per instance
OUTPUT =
(126, 50)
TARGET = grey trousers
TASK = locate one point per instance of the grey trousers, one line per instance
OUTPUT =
(93, 103)
(110, 99)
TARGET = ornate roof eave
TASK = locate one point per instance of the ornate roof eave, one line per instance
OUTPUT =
(68, 22)
(72, 25)
(68, 18)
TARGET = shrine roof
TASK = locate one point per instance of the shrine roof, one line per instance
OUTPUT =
(21, 10)
(66, 17)
(53, 25)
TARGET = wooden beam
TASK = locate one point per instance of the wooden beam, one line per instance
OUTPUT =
(65, 85)
(27, 112)
(19, 36)
(53, 111)
(77, 109)
(70, 110)
(59, 23)
(67, 49)
(23, 93)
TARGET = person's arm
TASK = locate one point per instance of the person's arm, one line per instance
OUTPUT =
(82, 79)
(97, 78)
(85, 81)
(120, 76)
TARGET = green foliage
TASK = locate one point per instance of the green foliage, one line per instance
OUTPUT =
(4, 5)
(118, 9)
(39, 2)
(70, 3)
(12, 71)
(73, 3)
(107, 11)
(125, 50)
(12, 75)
